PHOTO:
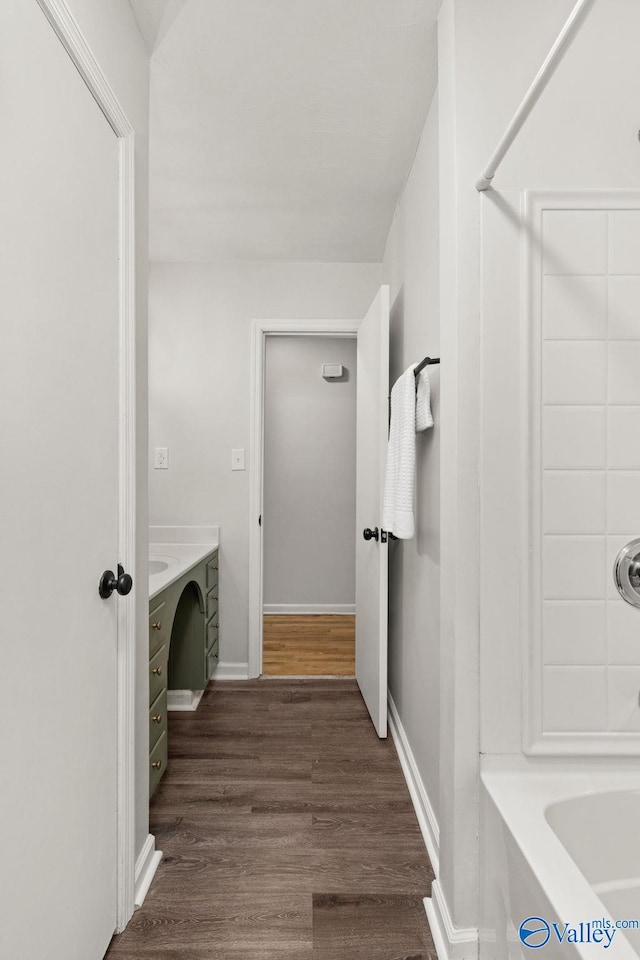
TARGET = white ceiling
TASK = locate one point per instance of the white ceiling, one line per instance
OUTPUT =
(283, 129)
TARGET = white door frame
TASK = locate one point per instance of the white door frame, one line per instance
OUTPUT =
(261, 329)
(69, 33)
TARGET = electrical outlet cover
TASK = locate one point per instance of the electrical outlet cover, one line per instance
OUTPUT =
(161, 458)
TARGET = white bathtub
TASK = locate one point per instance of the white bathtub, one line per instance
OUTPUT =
(561, 846)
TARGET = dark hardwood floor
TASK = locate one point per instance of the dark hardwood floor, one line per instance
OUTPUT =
(287, 831)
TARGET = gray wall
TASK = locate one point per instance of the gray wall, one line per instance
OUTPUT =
(199, 393)
(309, 473)
(411, 267)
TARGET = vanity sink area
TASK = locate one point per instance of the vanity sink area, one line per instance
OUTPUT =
(183, 628)
(175, 550)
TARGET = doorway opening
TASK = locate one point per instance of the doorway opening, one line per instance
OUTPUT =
(371, 562)
(298, 627)
(308, 512)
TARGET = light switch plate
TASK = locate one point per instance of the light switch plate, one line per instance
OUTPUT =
(161, 458)
(237, 459)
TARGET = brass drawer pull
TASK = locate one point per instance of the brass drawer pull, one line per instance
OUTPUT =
(157, 625)
(157, 718)
(215, 625)
(157, 765)
(157, 671)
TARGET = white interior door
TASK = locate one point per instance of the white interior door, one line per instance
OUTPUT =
(371, 554)
(59, 437)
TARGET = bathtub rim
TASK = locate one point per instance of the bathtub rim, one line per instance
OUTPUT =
(521, 791)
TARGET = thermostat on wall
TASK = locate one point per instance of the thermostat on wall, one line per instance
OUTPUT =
(332, 371)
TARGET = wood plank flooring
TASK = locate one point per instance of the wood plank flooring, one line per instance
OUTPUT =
(309, 646)
(287, 831)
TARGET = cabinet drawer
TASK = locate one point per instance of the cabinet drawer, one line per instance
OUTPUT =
(212, 633)
(212, 606)
(157, 629)
(212, 660)
(157, 719)
(157, 674)
(157, 763)
(212, 572)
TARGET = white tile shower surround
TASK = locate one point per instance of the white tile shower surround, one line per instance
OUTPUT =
(587, 364)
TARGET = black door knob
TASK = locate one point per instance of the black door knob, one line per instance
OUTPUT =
(109, 582)
(371, 534)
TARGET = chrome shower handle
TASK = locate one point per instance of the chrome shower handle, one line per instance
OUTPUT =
(626, 572)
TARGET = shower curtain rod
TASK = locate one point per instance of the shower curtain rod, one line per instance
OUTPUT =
(546, 71)
(425, 363)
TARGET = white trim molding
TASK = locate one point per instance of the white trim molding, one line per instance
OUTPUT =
(232, 671)
(308, 609)
(146, 866)
(451, 943)
(425, 814)
(260, 330)
(65, 26)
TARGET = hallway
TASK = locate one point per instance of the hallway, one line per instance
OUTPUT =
(287, 831)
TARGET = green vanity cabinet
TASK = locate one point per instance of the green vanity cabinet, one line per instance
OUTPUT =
(159, 634)
(183, 648)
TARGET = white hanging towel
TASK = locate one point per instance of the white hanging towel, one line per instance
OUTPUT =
(410, 412)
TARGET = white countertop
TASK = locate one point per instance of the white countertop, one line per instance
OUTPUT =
(181, 548)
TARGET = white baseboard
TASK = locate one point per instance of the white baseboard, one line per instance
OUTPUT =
(146, 866)
(451, 943)
(307, 609)
(417, 790)
(231, 671)
(183, 699)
